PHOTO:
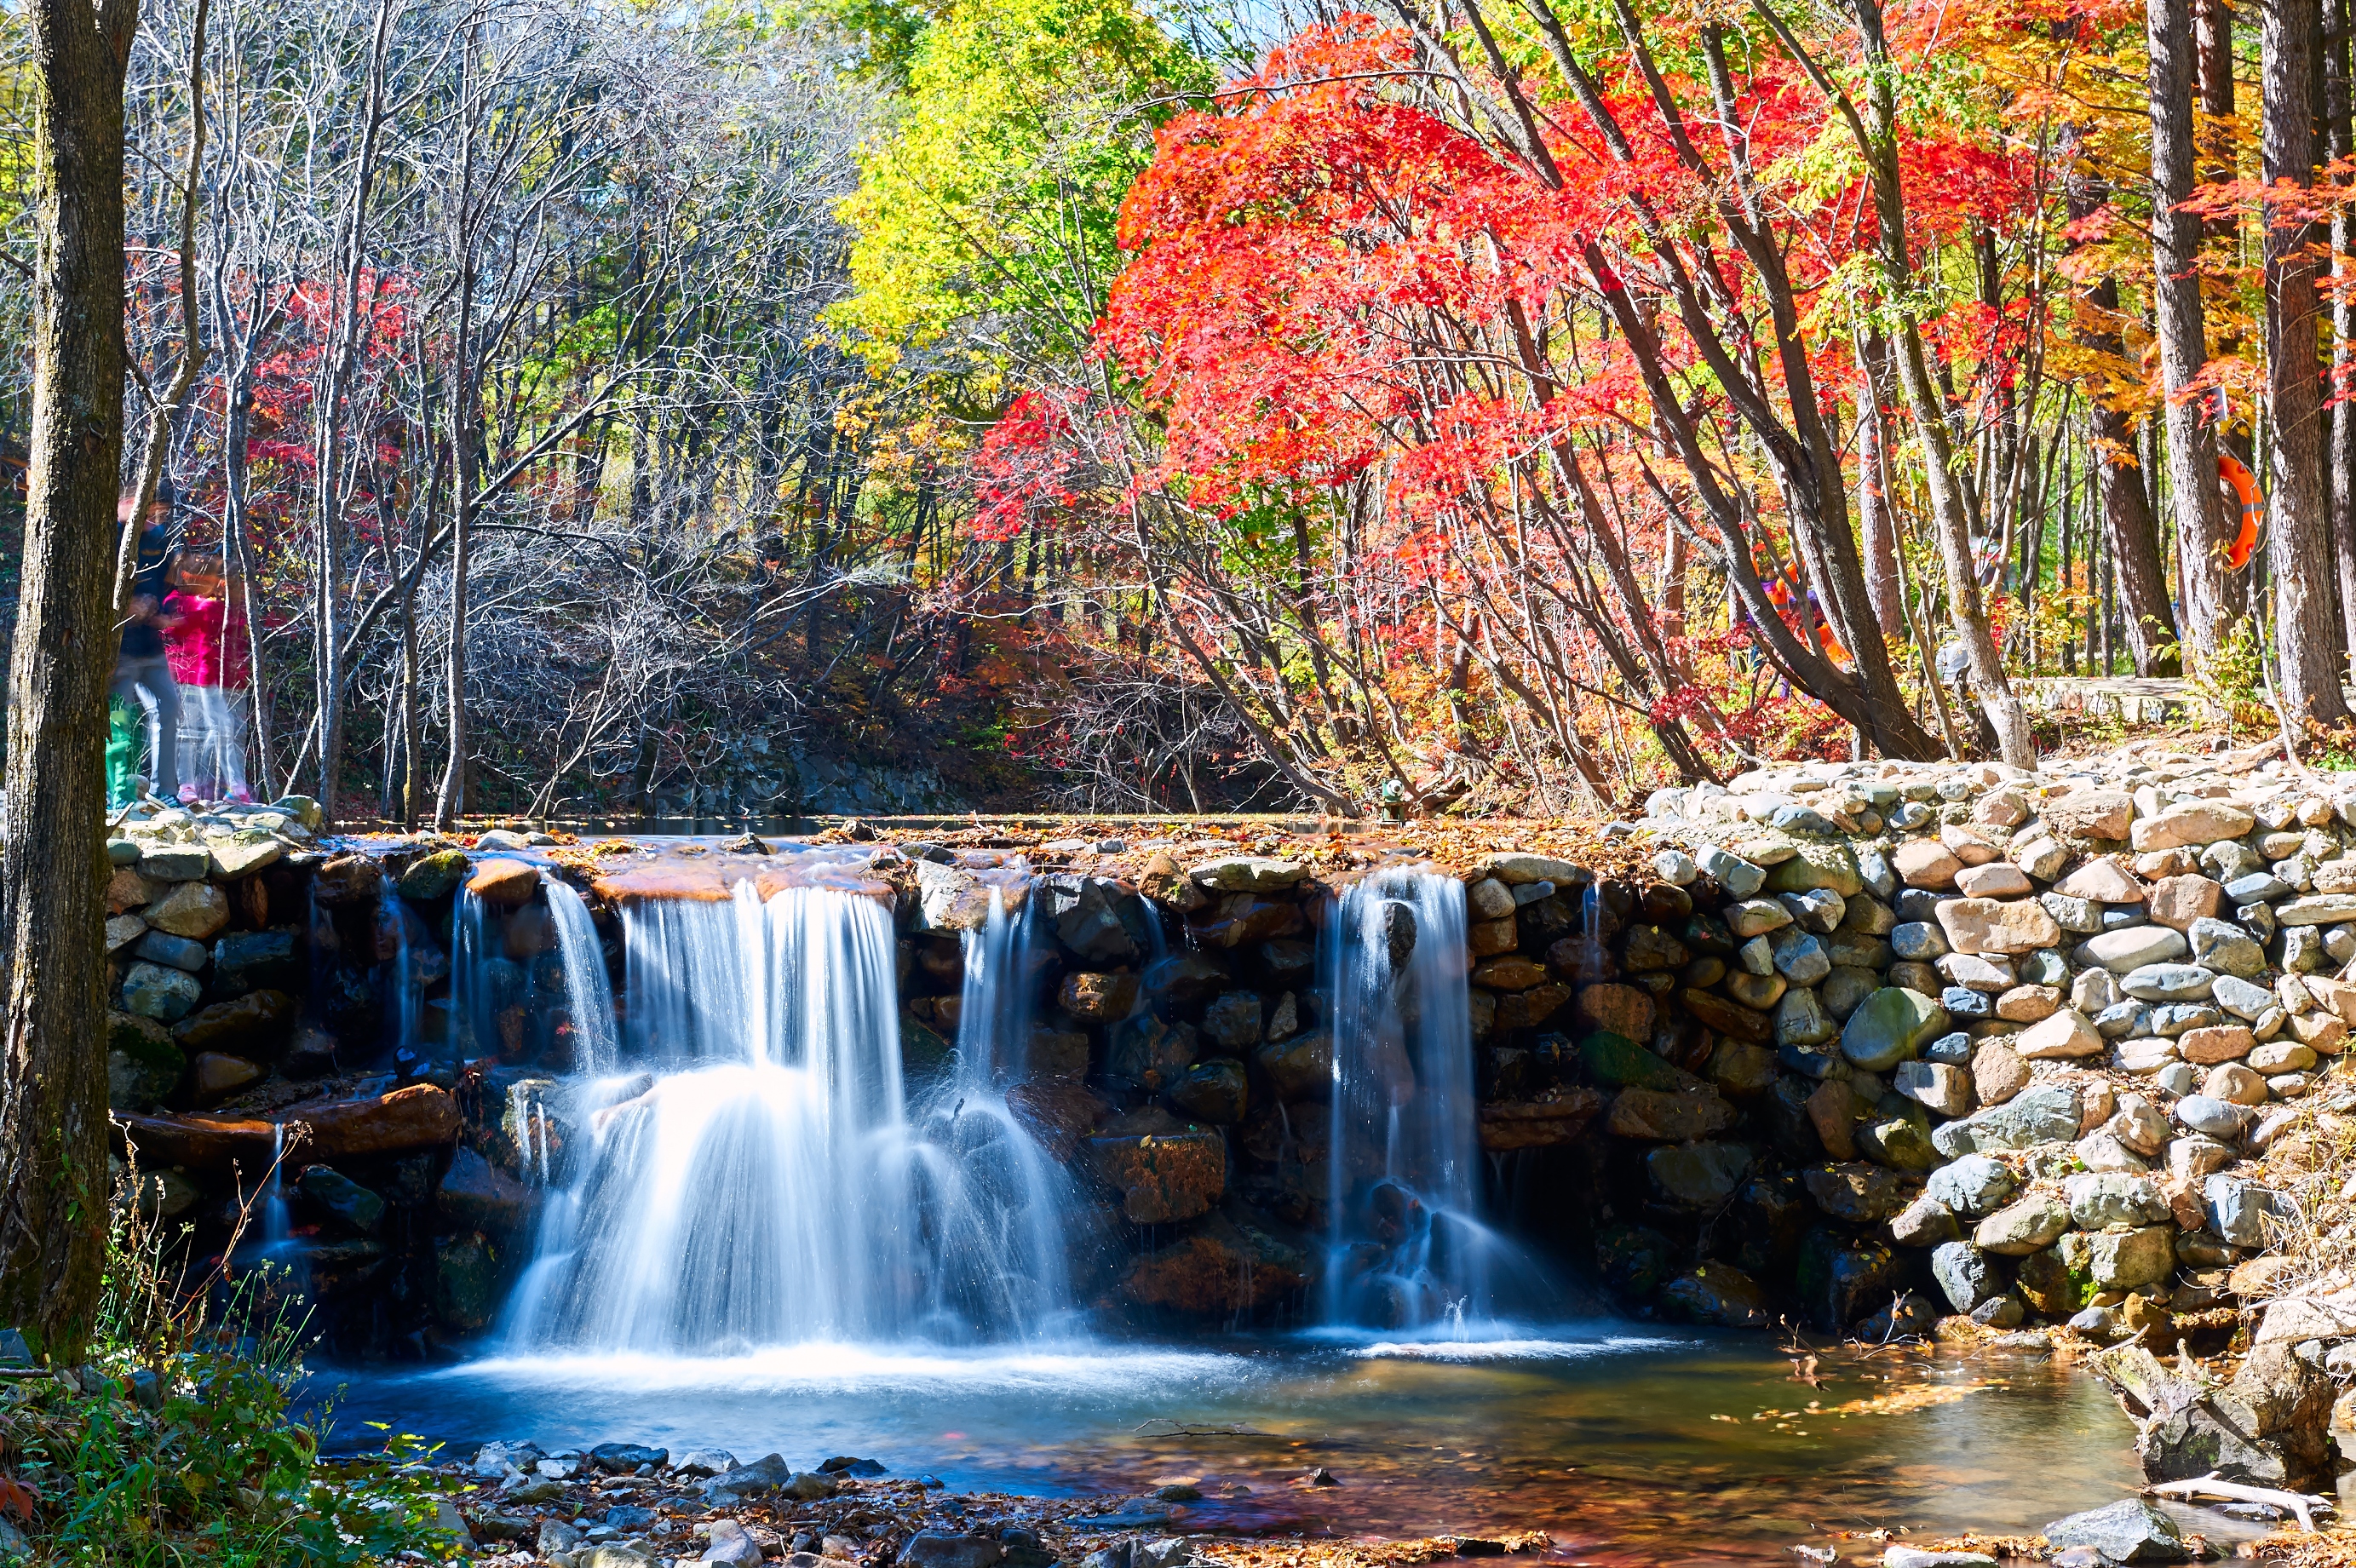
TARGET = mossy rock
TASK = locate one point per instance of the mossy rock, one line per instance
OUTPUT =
(1818, 866)
(145, 1042)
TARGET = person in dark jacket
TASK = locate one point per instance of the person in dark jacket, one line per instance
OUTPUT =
(141, 671)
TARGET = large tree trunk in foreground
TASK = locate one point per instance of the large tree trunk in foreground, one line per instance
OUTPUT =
(2298, 528)
(2202, 534)
(53, 1187)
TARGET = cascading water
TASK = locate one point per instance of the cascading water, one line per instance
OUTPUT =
(758, 1176)
(588, 996)
(1407, 1248)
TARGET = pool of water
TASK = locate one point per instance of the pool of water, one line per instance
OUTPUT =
(1629, 1443)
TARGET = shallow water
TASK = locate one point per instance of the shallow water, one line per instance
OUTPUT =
(1631, 1444)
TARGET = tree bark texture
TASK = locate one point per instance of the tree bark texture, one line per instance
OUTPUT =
(2195, 501)
(53, 1186)
(2299, 529)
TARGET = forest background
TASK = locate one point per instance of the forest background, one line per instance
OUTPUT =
(1138, 405)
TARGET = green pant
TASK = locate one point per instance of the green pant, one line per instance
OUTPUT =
(126, 743)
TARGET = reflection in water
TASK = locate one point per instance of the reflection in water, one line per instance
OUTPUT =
(1629, 1447)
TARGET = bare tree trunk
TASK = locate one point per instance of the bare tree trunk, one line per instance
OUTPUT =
(2201, 531)
(1926, 403)
(53, 1196)
(465, 425)
(1880, 524)
(2340, 119)
(2298, 532)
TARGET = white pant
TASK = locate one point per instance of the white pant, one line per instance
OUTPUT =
(213, 742)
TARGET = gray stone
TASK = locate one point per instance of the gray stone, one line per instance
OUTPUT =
(1966, 1276)
(2124, 1019)
(2030, 1225)
(2238, 1210)
(2131, 1531)
(1799, 1019)
(728, 1542)
(2167, 982)
(2099, 1199)
(1735, 874)
(1918, 940)
(2093, 991)
(160, 992)
(2123, 952)
(1955, 1050)
(1963, 1003)
(1889, 1026)
(1935, 1086)
(2218, 1118)
(1261, 874)
(1925, 1223)
(2171, 1020)
(180, 951)
(1799, 956)
(2040, 1114)
(2046, 967)
(1972, 1186)
(1697, 1177)
(2082, 916)
(2243, 999)
(2225, 948)
(931, 1551)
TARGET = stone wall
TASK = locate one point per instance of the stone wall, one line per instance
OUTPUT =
(1863, 1047)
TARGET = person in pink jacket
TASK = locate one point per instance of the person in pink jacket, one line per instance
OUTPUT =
(206, 649)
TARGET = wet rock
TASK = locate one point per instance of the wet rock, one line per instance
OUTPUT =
(1697, 1177)
(1856, 1192)
(1623, 1010)
(1716, 1294)
(1557, 1119)
(1216, 1091)
(1840, 1278)
(214, 1077)
(929, 1551)
(246, 961)
(623, 1458)
(1098, 997)
(159, 991)
(1231, 1023)
(1300, 1068)
(348, 879)
(762, 1477)
(1186, 979)
(1221, 1269)
(432, 877)
(340, 1200)
(1617, 1062)
(1244, 918)
(1724, 1017)
(254, 1024)
(2128, 1531)
(1164, 1178)
(476, 1195)
(466, 1284)
(1661, 1117)
(1086, 916)
(1250, 874)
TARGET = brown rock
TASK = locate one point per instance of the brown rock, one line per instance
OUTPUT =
(2192, 823)
(2067, 1035)
(1166, 1178)
(2208, 1047)
(1220, 1269)
(2323, 1034)
(1300, 1068)
(1832, 1111)
(1528, 1010)
(1166, 883)
(532, 931)
(2104, 881)
(2166, 863)
(2027, 1004)
(1968, 845)
(1511, 972)
(198, 911)
(253, 1025)
(1243, 918)
(213, 1077)
(2337, 995)
(416, 1117)
(2177, 901)
(479, 1196)
(1559, 1118)
(1998, 1073)
(1583, 960)
(1662, 1116)
(2091, 814)
(127, 889)
(1925, 863)
(348, 879)
(1985, 925)
(1997, 880)
(507, 883)
(1622, 1010)
(1099, 999)
(1728, 1017)
(1487, 938)
(1057, 1113)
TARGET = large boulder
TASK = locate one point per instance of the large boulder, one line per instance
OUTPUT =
(1655, 1116)
(1890, 1026)
(2131, 1531)
(1087, 914)
(1716, 1294)
(246, 961)
(432, 877)
(159, 991)
(1220, 1269)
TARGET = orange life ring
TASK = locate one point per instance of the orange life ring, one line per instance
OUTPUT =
(2232, 470)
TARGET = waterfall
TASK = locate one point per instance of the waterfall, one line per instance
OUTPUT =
(1407, 1248)
(588, 997)
(757, 1176)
